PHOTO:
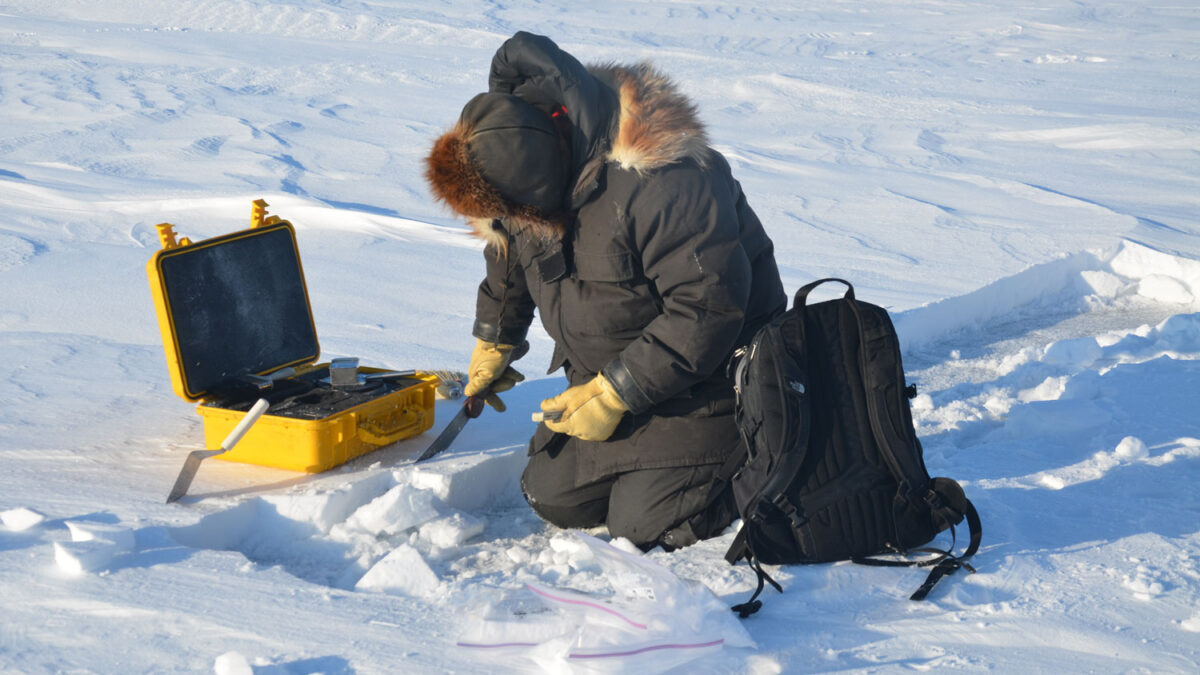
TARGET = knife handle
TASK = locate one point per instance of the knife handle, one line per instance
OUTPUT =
(474, 404)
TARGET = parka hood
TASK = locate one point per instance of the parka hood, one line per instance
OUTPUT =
(632, 116)
(656, 125)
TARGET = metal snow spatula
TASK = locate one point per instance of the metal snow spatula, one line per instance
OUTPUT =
(192, 463)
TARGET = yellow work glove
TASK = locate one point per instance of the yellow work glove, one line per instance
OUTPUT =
(589, 411)
(489, 372)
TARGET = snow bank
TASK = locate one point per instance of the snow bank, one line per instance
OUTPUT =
(1126, 275)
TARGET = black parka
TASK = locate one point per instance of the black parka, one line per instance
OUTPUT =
(663, 271)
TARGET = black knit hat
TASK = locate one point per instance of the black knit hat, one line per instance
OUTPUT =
(516, 149)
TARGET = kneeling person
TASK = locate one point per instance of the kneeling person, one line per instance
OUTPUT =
(604, 208)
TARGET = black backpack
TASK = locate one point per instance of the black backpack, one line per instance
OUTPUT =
(834, 469)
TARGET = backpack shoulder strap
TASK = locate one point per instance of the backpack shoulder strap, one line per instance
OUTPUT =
(943, 496)
(906, 467)
(952, 563)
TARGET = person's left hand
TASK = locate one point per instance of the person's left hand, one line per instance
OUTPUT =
(590, 411)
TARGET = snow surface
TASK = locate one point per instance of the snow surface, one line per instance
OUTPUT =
(1017, 182)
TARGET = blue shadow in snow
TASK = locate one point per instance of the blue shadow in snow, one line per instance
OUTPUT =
(94, 517)
(363, 208)
(154, 547)
(330, 665)
(15, 541)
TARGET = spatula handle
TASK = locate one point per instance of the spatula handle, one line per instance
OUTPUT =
(248, 421)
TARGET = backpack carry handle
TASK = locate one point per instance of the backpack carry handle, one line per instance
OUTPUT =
(802, 294)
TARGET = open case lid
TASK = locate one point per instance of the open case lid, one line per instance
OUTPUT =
(232, 306)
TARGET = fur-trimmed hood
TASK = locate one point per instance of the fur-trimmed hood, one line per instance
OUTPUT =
(656, 124)
(631, 116)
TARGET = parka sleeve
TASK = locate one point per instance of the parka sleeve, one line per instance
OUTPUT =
(503, 306)
(687, 232)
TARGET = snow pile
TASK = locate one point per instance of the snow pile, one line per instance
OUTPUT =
(1145, 379)
(371, 532)
(397, 533)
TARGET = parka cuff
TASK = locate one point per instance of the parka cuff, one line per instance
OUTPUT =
(622, 381)
(490, 332)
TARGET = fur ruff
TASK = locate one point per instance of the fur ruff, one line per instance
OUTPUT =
(657, 124)
(457, 182)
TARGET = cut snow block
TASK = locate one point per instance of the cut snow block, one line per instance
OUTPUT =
(450, 532)
(401, 508)
(1165, 289)
(401, 572)
(93, 546)
(120, 537)
(20, 519)
(1180, 333)
(328, 508)
(77, 557)
(474, 482)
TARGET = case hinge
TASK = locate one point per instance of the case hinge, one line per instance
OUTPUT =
(258, 214)
(167, 236)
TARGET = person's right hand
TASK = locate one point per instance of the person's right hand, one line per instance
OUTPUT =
(489, 372)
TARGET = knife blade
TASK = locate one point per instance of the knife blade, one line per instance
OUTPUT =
(471, 409)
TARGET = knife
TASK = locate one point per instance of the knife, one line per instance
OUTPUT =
(471, 408)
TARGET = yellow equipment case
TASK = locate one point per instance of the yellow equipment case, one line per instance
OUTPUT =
(237, 326)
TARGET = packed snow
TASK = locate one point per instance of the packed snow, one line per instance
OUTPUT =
(1017, 183)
